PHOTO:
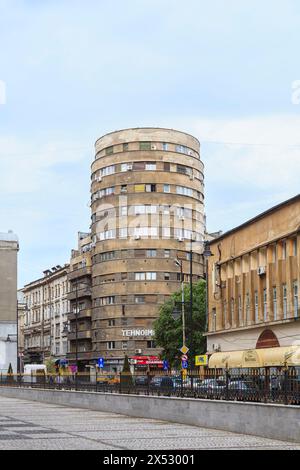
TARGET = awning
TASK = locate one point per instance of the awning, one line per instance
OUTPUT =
(288, 356)
(236, 359)
(268, 357)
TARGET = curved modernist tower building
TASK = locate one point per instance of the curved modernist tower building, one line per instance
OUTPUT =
(147, 210)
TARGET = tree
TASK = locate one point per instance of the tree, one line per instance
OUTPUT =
(168, 330)
(126, 377)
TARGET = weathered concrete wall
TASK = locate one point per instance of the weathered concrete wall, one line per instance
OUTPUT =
(265, 420)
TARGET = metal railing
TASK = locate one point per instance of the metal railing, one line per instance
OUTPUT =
(260, 386)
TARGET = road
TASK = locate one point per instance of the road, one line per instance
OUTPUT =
(31, 425)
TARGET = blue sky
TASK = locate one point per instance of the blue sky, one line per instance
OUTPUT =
(75, 70)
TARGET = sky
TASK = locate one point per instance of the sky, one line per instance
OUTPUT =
(70, 71)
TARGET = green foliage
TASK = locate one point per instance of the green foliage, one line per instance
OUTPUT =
(126, 365)
(126, 377)
(168, 331)
(50, 364)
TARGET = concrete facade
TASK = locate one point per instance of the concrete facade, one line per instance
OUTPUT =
(80, 298)
(265, 420)
(254, 278)
(147, 201)
(9, 247)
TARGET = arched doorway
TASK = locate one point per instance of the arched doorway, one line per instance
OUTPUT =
(267, 339)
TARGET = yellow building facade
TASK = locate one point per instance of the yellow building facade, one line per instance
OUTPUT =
(253, 281)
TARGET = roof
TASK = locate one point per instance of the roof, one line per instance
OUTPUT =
(257, 217)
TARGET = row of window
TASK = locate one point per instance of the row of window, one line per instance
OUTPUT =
(112, 300)
(142, 276)
(148, 209)
(146, 166)
(147, 188)
(124, 345)
(132, 146)
(146, 253)
(148, 232)
(287, 311)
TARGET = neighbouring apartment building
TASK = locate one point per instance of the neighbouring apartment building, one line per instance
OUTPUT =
(21, 321)
(254, 277)
(147, 202)
(9, 247)
(45, 324)
(80, 298)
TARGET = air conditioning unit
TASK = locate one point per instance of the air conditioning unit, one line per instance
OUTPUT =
(93, 244)
(190, 152)
(99, 179)
(129, 167)
(138, 351)
(261, 270)
(192, 177)
(216, 347)
(180, 239)
(137, 237)
(153, 147)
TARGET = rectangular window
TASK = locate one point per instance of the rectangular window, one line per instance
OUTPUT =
(151, 276)
(265, 305)
(165, 146)
(125, 147)
(167, 276)
(140, 276)
(295, 295)
(139, 166)
(139, 299)
(166, 188)
(124, 210)
(284, 300)
(150, 166)
(111, 345)
(150, 188)
(295, 251)
(124, 188)
(109, 150)
(124, 167)
(123, 232)
(167, 253)
(145, 145)
(166, 166)
(111, 322)
(151, 253)
(124, 345)
(139, 188)
(275, 303)
(256, 306)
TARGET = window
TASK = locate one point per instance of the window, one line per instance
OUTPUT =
(139, 188)
(124, 210)
(167, 276)
(150, 166)
(150, 188)
(140, 276)
(123, 232)
(240, 310)
(111, 345)
(123, 276)
(295, 252)
(124, 166)
(166, 166)
(166, 188)
(109, 150)
(167, 253)
(124, 188)
(125, 147)
(182, 169)
(284, 250)
(256, 306)
(275, 303)
(109, 170)
(284, 300)
(107, 235)
(139, 299)
(145, 145)
(184, 191)
(265, 305)
(124, 345)
(151, 276)
(165, 146)
(111, 322)
(151, 253)
(151, 344)
(166, 232)
(295, 295)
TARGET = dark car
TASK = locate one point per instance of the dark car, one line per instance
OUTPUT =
(162, 384)
(141, 381)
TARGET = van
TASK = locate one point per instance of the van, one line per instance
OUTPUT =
(34, 373)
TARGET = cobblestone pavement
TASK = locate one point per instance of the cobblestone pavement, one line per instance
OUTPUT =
(32, 425)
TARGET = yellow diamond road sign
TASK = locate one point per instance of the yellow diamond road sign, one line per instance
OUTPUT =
(184, 349)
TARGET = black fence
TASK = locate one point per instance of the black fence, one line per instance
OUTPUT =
(259, 385)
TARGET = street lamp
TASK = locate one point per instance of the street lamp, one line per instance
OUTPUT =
(206, 254)
(179, 264)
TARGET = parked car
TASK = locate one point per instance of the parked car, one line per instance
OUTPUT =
(141, 380)
(210, 386)
(162, 383)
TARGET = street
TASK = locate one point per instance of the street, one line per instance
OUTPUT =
(30, 425)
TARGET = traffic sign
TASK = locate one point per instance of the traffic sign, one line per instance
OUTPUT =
(184, 349)
(201, 360)
(165, 365)
(101, 362)
(184, 364)
(184, 357)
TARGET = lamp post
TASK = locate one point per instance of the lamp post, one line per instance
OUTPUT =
(179, 264)
(206, 254)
